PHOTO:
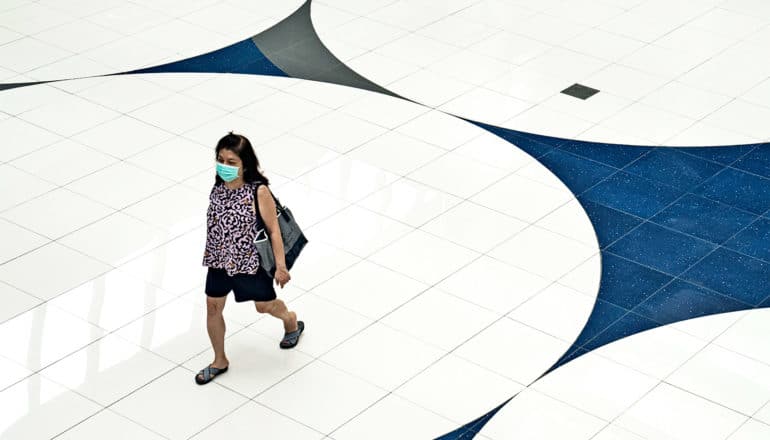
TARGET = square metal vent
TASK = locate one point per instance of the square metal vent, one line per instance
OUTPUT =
(580, 91)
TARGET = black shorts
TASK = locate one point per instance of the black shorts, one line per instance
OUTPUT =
(247, 287)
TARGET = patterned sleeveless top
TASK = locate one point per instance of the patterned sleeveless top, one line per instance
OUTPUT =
(231, 229)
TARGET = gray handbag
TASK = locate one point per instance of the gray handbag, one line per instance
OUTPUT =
(293, 238)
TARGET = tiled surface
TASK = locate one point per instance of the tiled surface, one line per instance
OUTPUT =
(452, 257)
(474, 247)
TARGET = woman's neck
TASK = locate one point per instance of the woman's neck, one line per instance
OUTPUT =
(235, 184)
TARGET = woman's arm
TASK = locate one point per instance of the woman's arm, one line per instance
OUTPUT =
(267, 209)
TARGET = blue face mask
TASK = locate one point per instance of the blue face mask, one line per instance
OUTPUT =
(228, 173)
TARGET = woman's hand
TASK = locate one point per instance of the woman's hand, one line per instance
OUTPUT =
(282, 276)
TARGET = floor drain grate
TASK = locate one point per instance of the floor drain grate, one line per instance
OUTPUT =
(580, 91)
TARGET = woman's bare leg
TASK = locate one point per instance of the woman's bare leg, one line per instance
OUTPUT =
(278, 309)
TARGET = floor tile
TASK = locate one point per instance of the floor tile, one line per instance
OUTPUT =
(189, 158)
(358, 231)
(25, 137)
(186, 215)
(423, 257)
(70, 115)
(596, 385)
(348, 179)
(19, 241)
(35, 399)
(253, 417)
(107, 185)
(440, 129)
(609, 224)
(23, 272)
(396, 153)
(558, 311)
(383, 110)
(676, 414)
(108, 421)
(108, 369)
(410, 202)
(326, 324)
(726, 378)
(522, 198)
(256, 362)
(13, 373)
(736, 188)
(586, 277)
(103, 138)
(632, 194)
(376, 422)
(493, 285)
(195, 407)
(112, 300)
(543, 252)
(742, 336)
(752, 429)
(661, 249)
(626, 284)
(532, 414)
(354, 290)
(175, 331)
(656, 353)
(457, 389)
(330, 397)
(680, 301)
(57, 213)
(493, 151)
(525, 355)
(722, 155)
(732, 274)
(16, 302)
(291, 156)
(474, 226)
(440, 174)
(320, 262)
(47, 162)
(673, 168)
(27, 187)
(757, 162)
(45, 335)
(177, 113)
(383, 356)
(753, 240)
(457, 323)
(175, 267)
(577, 173)
(100, 240)
(338, 132)
(704, 218)
(271, 111)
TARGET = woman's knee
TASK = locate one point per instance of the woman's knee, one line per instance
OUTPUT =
(268, 306)
(214, 307)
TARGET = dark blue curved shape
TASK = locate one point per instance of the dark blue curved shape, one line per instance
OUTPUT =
(684, 232)
(469, 430)
(242, 57)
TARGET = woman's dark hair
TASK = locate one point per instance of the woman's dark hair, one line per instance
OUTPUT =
(241, 146)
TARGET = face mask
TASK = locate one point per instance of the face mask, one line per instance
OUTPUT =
(228, 173)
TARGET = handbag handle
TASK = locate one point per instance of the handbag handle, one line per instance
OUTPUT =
(275, 199)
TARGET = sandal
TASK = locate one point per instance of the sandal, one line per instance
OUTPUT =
(292, 338)
(209, 373)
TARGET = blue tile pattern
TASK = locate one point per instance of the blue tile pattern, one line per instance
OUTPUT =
(754, 240)
(633, 194)
(704, 218)
(738, 188)
(674, 168)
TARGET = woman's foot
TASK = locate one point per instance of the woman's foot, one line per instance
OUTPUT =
(208, 374)
(290, 339)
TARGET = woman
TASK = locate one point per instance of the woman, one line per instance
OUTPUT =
(240, 202)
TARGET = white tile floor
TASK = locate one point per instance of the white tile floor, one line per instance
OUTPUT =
(429, 299)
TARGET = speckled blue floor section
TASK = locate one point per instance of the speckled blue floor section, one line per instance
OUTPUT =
(684, 232)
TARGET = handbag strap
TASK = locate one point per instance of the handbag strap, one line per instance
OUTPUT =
(275, 199)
